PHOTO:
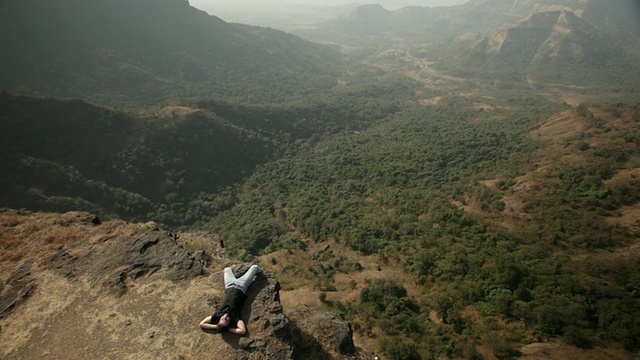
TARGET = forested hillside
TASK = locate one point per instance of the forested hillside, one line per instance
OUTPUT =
(60, 155)
(144, 52)
(176, 165)
(481, 209)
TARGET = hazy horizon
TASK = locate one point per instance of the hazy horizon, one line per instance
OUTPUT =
(288, 14)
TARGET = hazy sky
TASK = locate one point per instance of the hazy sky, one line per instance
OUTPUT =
(287, 12)
(249, 4)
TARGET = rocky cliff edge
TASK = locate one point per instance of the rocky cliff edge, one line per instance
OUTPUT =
(74, 287)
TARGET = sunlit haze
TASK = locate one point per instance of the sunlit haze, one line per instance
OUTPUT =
(295, 13)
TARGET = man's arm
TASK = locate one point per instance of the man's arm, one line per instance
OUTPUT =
(241, 328)
(206, 324)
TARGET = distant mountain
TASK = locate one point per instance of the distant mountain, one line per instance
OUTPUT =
(428, 24)
(373, 20)
(617, 18)
(555, 47)
(144, 51)
(570, 42)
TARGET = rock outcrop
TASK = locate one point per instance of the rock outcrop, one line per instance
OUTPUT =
(118, 260)
(302, 333)
(264, 316)
(17, 289)
(327, 335)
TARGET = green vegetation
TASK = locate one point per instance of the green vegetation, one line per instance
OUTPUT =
(387, 191)
(380, 177)
(176, 169)
(344, 186)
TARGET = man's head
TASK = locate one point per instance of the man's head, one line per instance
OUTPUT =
(224, 320)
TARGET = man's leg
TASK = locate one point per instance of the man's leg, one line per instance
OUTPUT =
(245, 280)
(229, 277)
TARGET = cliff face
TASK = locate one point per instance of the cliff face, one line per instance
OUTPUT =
(74, 287)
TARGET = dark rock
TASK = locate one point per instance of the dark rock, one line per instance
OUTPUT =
(129, 259)
(21, 274)
(79, 217)
(320, 329)
(61, 262)
(202, 257)
(10, 299)
(264, 316)
(115, 283)
(18, 287)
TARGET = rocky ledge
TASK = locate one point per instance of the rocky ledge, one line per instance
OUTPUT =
(134, 291)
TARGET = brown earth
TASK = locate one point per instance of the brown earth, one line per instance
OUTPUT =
(176, 110)
(561, 126)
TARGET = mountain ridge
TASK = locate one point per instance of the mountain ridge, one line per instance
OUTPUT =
(150, 51)
(116, 148)
(483, 15)
(552, 47)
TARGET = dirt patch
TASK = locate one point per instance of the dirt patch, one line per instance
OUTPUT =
(469, 205)
(627, 216)
(618, 120)
(296, 290)
(514, 206)
(176, 110)
(433, 101)
(554, 351)
(489, 183)
(561, 126)
(624, 176)
(483, 106)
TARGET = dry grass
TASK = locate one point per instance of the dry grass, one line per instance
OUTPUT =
(200, 241)
(75, 319)
(291, 269)
(26, 235)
